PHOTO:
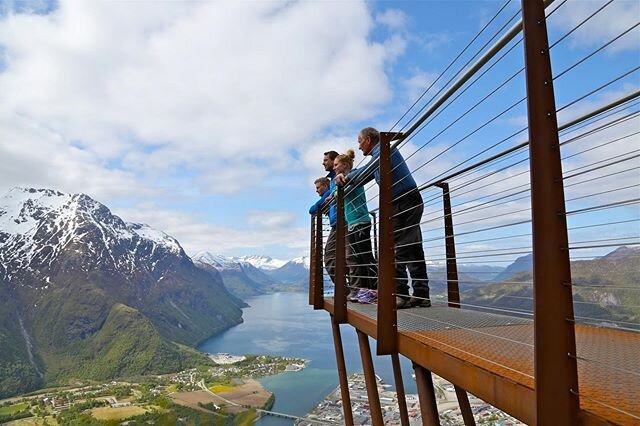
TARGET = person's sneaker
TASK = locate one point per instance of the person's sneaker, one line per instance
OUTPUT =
(420, 302)
(402, 303)
(353, 295)
(367, 296)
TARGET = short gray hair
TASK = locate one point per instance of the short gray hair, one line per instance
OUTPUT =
(372, 133)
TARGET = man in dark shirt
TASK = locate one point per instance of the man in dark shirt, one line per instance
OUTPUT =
(407, 213)
(330, 247)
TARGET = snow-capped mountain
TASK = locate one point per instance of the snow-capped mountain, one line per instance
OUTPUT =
(295, 271)
(218, 261)
(241, 278)
(38, 226)
(78, 283)
(247, 276)
(303, 261)
(265, 263)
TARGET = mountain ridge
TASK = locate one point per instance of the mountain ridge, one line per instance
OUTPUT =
(71, 269)
(244, 279)
(604, 289)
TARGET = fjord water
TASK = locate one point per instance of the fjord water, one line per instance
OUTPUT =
(284, 324)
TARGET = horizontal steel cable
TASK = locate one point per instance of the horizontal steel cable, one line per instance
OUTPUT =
(449, 66)
(615, 204)
(604, 404)
(458, 243)
(603, 246)
(598, 50)
(596, 90)
(522, 69)
(457, 326)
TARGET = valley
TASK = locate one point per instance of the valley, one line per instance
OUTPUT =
(225, 394)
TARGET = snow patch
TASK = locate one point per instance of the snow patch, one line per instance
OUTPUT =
(156, 236)
(262, 262)
(218, 261)
(304, 261)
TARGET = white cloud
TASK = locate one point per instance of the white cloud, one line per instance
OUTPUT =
(195, 234)
(415, 85)
(609, 23)
(140, 102)
(270, 219)
(430, 42)
(312, 156)
(33, 155)
(190, 84)
(392, 18)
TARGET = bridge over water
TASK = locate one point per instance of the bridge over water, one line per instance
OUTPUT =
(260, 411)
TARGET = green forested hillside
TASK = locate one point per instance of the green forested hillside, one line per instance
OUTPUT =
(126, 344)
(17, 373)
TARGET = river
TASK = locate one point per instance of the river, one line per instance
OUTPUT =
(284, 324)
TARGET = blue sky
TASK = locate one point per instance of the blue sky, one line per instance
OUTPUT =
(208, 119)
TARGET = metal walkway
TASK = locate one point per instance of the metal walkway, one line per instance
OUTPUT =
(499, 349)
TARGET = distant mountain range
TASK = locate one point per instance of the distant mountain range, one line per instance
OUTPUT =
(521, 264)
(265, 263)
(605, 290)
(85, 295)
(248, 276)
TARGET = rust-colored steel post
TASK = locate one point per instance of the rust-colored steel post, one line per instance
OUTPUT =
(453, 288)
(370, 379)
(387, 330)
(318, 288)
(402, 400)
(465, 407)
(427, 396)
(312, 259)
(340, 307)
(555, 367)
(342, 373)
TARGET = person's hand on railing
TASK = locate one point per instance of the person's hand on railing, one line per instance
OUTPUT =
(341, 179)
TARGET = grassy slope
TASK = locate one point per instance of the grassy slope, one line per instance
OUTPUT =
(126, 344)
(81, 332)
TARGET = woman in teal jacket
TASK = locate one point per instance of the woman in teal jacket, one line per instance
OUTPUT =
(362, 264)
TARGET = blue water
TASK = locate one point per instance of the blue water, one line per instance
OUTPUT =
(284, 324)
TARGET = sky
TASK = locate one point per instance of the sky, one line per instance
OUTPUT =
(208, 119)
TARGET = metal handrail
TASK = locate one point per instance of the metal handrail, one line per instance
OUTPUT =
(565, 126)
(488, 55)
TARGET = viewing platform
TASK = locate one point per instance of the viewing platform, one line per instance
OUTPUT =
(491, 356)
(556, 341)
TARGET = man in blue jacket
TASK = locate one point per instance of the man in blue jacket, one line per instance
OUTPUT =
(322, 189)
(330, 247)
(407, 213)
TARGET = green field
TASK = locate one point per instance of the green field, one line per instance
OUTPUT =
(221, 388)
(11, 409)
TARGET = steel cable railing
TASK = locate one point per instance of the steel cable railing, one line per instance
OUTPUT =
(486, 204)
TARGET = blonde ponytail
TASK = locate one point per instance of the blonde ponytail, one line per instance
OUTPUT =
(351, 153)
(347, 158)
